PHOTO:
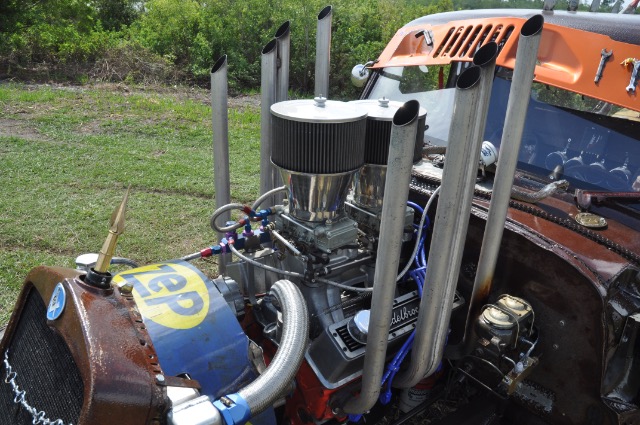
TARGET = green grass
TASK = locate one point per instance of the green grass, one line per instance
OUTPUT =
(68, 155)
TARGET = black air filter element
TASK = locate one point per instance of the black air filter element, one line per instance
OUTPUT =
(318, 137)
(378, 133)
(44, 369)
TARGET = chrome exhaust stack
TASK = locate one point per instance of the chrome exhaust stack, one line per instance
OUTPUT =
(274, 87)
(526, 57)
(449, 233)
(269, 63)
(485, 59)
(283, 40)
(323, 52)
(400, 163)
(220, 123)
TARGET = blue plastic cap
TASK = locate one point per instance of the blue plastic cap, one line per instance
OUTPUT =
(385, 397)
(234, 409)
(354, 418)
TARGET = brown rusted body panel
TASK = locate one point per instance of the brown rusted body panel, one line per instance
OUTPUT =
(576, 287)
(569, 307)
(566, 278)
(606, 262)
(110, 346)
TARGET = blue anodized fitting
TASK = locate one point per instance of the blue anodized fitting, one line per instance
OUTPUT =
(234, 409)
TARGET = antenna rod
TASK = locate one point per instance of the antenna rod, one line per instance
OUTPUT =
(99, 275)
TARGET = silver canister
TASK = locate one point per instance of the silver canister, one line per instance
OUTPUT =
(318, 145)
(368, 182)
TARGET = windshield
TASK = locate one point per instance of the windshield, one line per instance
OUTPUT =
(403, 84)
(593, 144)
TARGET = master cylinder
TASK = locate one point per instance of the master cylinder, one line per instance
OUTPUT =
(502, 323)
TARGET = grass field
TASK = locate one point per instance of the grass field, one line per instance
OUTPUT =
(68, 154)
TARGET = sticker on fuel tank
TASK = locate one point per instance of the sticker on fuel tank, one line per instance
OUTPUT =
(174, 295)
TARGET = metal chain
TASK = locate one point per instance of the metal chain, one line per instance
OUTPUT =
(39, 416)
(424, 188)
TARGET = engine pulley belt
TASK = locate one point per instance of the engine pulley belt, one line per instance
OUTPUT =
(424, 188)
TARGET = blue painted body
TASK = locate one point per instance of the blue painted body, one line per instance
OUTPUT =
(213, 351)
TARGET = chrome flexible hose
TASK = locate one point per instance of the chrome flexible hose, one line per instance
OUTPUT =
(533, 197)
(275, 380)
(220, 211)
(266, 195)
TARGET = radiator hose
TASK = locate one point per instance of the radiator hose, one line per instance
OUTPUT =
(275, 380)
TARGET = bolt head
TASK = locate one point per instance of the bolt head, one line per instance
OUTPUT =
(125, 287)
(160, 379)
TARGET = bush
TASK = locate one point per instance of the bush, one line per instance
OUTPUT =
(130, 62)
(360, 30)
(168, 28)
(55, 37)
(167, 40)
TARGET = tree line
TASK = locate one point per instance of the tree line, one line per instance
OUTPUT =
(177, 41)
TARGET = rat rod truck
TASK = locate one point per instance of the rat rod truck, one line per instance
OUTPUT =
(462, 242)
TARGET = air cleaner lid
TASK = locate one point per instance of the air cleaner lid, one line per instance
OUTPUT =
(382, 109)
(318, 110)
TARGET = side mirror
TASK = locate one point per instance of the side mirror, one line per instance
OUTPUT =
(360, 74)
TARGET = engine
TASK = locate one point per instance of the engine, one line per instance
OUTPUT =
(332, 156)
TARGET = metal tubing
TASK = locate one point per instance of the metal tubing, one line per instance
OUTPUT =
(283, 40)
(285, 242)
(283, 47)
(323, 52)
(268, 98)
(485, 58)
(220, 122)
(449, 233)
(616, 6)
(400, 162)
(526, 57)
